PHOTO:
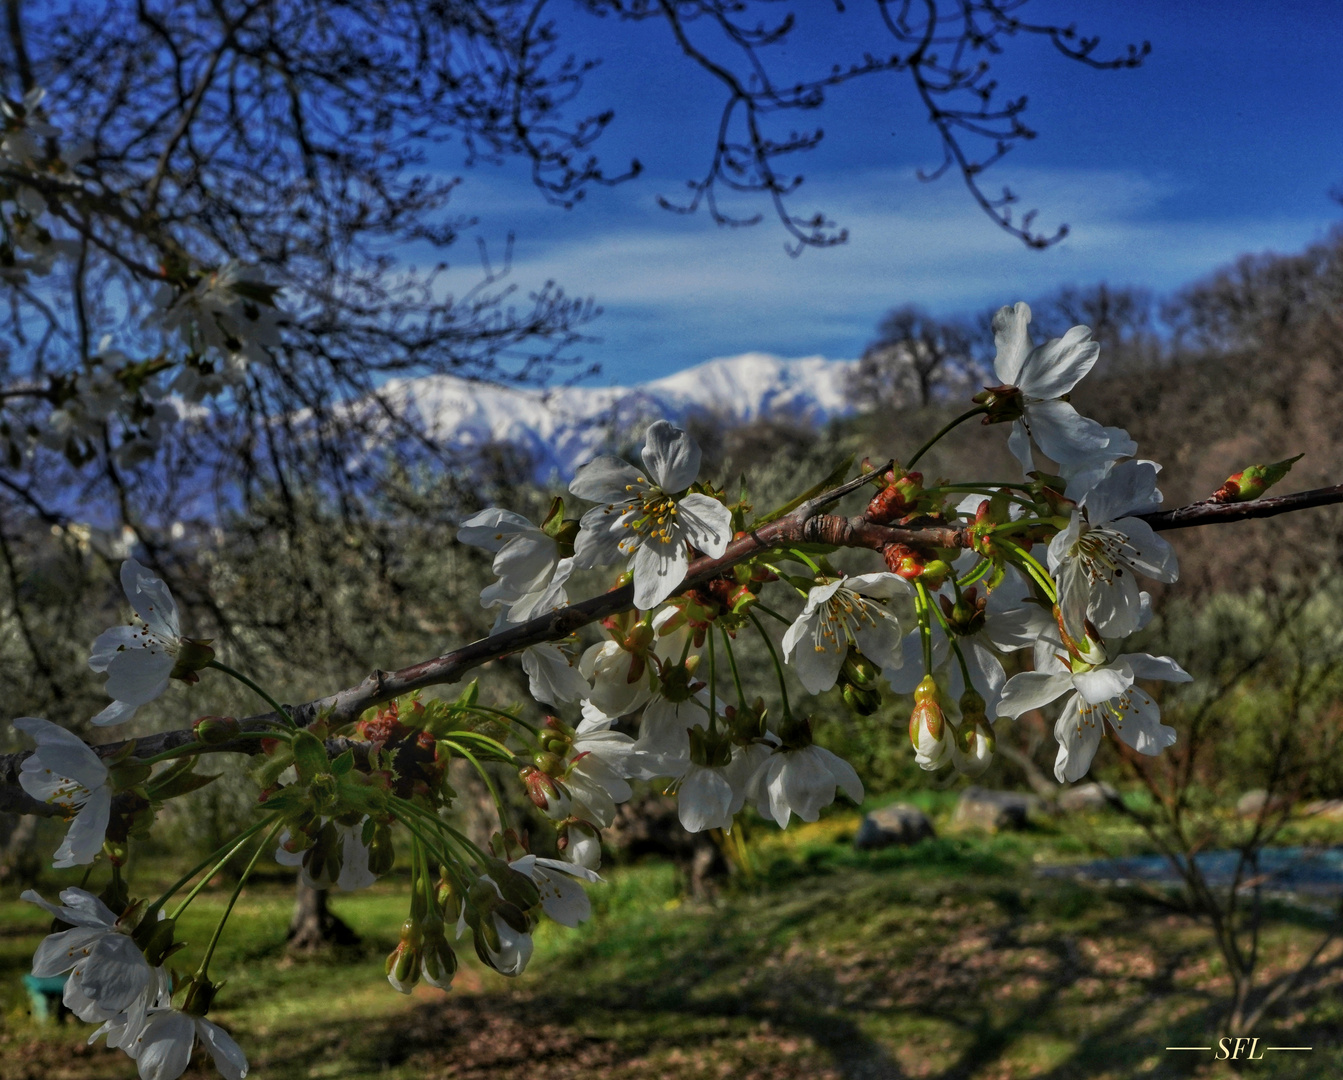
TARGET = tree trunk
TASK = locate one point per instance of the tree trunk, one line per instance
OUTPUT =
(313, 926)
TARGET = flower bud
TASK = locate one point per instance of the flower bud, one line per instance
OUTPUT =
(928, 726)
(438, 962)
(864, 700)
(972, 747)
(546, 793)
(897, 499)
(200, 995)
(403, 963)
(581, 844)
(325, 858)
(903, 560)
(213, 730)
(1252, 482)
(935, 573)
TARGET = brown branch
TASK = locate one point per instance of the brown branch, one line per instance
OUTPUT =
(1208, 512)
(804, 525)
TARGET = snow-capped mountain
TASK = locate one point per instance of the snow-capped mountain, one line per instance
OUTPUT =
(562, 428)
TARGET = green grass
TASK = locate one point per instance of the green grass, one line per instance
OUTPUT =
(948, 959)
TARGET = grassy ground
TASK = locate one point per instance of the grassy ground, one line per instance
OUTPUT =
(949, 959)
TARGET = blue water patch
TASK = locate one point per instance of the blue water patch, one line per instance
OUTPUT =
(1312, 871)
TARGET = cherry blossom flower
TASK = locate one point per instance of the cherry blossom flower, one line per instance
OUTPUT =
(1102, 692)
(551, 676)
(109, 975)
(527, 562)
(163, 1046)
(1095, 560)
(65, 771)
(599, 766)
(139, 660)
(841, 613)
(1044, 375)
(645, 517)
(562, 898)
(802, 781)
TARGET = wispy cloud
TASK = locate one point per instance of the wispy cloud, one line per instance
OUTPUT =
(677, 290)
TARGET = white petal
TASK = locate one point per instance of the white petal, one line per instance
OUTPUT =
(1147, 666)
(1011, 335)
(705, 523)
(228, 1056)
(562, 898)
(139, 676)
(84, 839)
(1019, 445)
(163, 1048)
(599, 543)
(1062, 433)
(671, 456)
(60, 952)
(551, 678)
(1128, 488)
(1031, 690)
(354, 871)
(150, 598)
(1054, 368)
(659, 568)
(116, 972)
(491, 529)
(1078, 741)
(704, 800)
(118, 712)
(1147, 552)
(607, 479)
(1140, 725)
(844, 774)
(111, 642)
(1099, 685)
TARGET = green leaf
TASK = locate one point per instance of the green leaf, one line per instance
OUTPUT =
(343, 764)
(309, 756)
(836, 477)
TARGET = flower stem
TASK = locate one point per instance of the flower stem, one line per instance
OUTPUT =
(237, 890)
(922, 604)
(215, 859)
(280, 709)
(942, 431)
(732, 663)
(713, 686)
(778, 667)
(1029, 563)
(772, 613)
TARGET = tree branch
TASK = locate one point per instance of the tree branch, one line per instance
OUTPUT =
(805, 525)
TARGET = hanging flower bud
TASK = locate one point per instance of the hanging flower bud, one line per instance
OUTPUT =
(903, 560)
(547, 794)
(928, 726)
(200, 995)
(403, 963)
(972, 743)
(438, 962)
(864, 700)
(1252, 482)
(580, 844)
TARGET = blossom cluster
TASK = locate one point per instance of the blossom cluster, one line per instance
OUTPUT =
(1042, 576)
(211, 321)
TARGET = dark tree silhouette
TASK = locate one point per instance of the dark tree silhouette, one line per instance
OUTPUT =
(912, 357)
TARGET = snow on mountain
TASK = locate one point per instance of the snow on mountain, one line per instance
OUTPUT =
(562, 428)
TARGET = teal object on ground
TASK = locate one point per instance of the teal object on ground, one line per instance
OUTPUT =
(45, 995)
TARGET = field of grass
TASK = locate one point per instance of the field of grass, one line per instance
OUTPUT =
(948, 959)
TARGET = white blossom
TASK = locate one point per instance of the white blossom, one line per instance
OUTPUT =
(1097, 558)
(842, 613)
(647, 518)
(109, 975)
(801, 782)
(527, 563)
(551, 676)
(562, 897)
(138, 659)
(163, 1046)
(354, 873)
(63, 770)
(1101, 692)
(1045, 375)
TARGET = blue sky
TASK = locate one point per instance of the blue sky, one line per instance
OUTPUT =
(1225, 141)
